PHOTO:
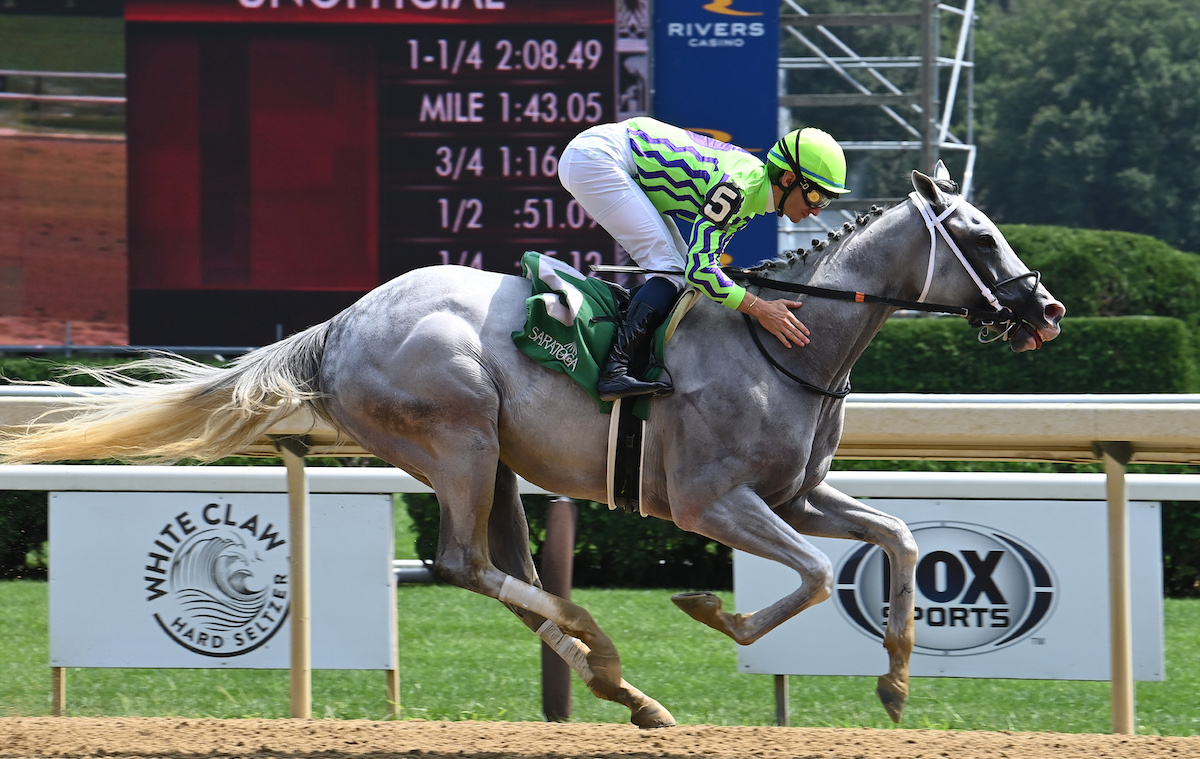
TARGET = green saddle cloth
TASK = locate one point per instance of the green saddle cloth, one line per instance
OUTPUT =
(571, 320)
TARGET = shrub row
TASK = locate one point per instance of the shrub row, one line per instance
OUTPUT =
(1098, 273)
(613, 549)
(1099, 355)
(24, 525)
(1133, 319)
(1132, 354)
(1093, 355)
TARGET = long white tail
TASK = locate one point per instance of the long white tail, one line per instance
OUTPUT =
(193, 411)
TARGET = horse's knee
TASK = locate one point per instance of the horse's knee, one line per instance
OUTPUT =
(903, 547)
(456, 573)
(820, 578)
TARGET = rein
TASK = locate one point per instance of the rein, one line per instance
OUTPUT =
(976, 315)
(1000, 318)
(999, 315)
(784, 370)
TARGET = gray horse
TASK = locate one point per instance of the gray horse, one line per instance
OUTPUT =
(423, 373)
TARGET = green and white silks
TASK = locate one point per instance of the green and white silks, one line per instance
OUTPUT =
(570, 323)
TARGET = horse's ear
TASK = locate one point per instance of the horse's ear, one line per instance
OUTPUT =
(940, 172)
(927, 188)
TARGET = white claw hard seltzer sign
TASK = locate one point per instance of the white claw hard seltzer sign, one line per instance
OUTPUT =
(203, 580)
(1004, 589)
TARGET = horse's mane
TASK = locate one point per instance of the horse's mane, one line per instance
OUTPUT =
(833, 241)
(836, 238)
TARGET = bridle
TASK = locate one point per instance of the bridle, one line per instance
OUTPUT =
(934, 224)
(999, 319)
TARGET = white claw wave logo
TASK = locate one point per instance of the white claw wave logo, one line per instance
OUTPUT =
(218, 585)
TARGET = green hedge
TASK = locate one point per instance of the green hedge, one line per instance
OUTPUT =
(1098, 273)
(1181, 549)
(25, 369)
(1133, 316)
(23, 514)
(23, 533)
(1132, 354)
(613, 549)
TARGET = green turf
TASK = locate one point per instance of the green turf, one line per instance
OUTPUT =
(62, 43)
(406, 536)
(465, 657)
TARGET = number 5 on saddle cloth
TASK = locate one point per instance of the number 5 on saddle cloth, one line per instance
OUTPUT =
(571, 320)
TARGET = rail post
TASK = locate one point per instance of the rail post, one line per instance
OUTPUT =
(1116, 456)
(558, 552)
(783, 711)
(293, 450)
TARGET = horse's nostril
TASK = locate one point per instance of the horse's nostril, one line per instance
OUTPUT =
(1054, 312)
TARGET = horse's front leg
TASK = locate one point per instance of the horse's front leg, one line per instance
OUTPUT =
(827, 512)
(743, 521)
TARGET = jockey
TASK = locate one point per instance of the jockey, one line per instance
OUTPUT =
(632, 175)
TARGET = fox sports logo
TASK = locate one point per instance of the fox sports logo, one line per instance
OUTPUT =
(978, 589)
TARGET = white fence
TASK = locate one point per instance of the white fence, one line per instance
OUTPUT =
(37, 79)
(1111, 429)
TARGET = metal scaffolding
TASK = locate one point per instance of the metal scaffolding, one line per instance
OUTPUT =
(869, 82)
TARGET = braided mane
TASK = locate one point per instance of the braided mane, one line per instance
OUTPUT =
(833, 241)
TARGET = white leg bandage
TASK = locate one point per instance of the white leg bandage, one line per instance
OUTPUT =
(572, 650)
(522, 594)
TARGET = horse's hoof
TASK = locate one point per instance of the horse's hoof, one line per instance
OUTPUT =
(893, 695)
(652, 715)
(700, 605)
(705, 607)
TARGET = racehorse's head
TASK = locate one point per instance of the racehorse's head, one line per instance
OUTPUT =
(1025, 313)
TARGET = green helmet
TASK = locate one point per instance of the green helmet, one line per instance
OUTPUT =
(815, 155)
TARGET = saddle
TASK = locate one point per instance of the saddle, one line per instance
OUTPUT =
(626, 425)
(571, 320)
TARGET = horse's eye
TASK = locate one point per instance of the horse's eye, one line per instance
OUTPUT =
(987, 241)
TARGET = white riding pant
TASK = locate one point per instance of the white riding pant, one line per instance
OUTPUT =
(597, 168)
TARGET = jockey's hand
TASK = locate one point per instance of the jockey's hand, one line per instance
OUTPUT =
(777, 318)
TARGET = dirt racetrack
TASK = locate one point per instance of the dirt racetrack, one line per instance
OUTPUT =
(135, 738)
(63, 256)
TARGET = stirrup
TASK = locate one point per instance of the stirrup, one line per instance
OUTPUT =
(627, 387)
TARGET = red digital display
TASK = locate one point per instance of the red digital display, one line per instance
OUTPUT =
(539, 12)
(472, 123)
(252, 160)
(279, 170)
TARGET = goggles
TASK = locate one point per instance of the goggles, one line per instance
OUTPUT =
(813, 195)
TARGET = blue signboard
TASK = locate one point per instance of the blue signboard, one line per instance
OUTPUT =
(715, 64)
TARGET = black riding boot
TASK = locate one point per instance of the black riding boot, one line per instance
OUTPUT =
(615, 381)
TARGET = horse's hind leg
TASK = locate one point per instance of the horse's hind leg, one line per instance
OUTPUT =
(508, 534)
(830, 513)
(437, 418)
(508, 539)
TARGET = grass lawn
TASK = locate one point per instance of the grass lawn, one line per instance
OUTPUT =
(63, 43)
(465, 657)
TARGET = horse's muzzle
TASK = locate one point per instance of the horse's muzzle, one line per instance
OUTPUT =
(1030, 336)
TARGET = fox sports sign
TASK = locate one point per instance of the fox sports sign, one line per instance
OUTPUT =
(977, 589)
